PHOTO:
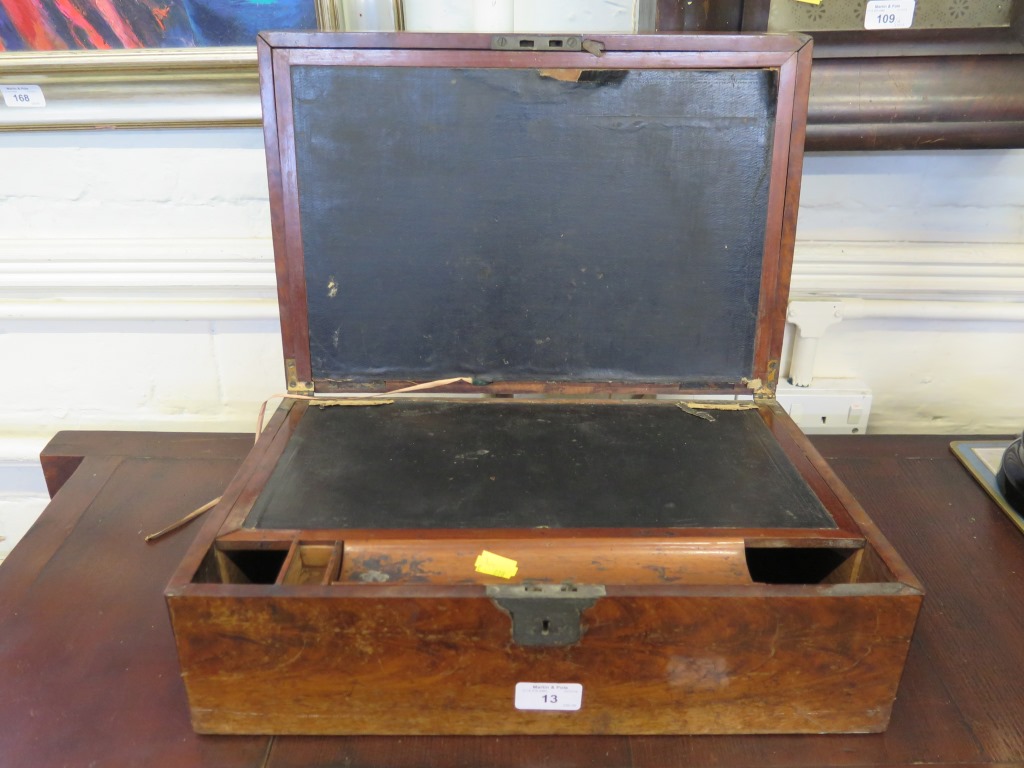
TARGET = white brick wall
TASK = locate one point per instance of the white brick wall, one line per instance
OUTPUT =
(934, 197)
(98, 229)
(136, 184)
(101, 228)
(920, 225)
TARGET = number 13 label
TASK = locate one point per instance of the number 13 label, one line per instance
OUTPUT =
(561, 697)
(889, 14)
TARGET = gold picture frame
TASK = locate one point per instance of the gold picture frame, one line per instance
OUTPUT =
(142, 88)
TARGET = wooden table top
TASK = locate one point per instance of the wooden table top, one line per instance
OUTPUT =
(89, 675)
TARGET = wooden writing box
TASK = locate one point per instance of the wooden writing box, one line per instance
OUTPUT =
(606, 223)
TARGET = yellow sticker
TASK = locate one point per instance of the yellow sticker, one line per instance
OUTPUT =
(810, 2)
(496, 565)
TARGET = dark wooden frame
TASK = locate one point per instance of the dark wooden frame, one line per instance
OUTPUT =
(900, 89)
(789, 55)
(257, 655)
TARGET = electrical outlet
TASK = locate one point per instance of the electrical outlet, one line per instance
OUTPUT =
(827, 406)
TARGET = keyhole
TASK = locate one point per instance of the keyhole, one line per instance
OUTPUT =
(545, 627)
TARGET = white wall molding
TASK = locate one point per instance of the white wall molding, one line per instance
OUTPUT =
(183, 278)
(132, 279)
(136, 308)
(910, 270)
(130, 333)
(812, 317)
(129, 249)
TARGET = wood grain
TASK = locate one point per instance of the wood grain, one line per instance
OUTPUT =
(695, 649)
(897, 89)
(445, 751)
(968, 558)
(355, 675)
(153, 445)
(959, 703)
(38, 546)
(728, 43)
(89, 669)
(923, 102)
(710, 664)
(554, 560)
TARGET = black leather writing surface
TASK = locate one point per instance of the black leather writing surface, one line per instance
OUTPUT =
(512, 226)
(444, 464)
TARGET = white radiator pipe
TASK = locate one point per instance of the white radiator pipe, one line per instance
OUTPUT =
(801, 366)
(812, 317)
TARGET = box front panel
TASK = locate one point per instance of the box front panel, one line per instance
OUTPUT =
(405, 665)
(454, 210)
(526, 224)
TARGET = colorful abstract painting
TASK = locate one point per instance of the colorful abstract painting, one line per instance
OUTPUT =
(54, 25)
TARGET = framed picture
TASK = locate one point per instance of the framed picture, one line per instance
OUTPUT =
(69, 25)
(142, 63)
(892, 74)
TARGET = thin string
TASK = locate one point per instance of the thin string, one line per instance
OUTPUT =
(360, 400)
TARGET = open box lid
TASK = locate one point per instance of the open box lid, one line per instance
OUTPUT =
(616, 213)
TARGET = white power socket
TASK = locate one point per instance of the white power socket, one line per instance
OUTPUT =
(828, 406)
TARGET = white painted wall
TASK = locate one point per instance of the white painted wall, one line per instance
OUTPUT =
(946, 226)
(136, 291)
(136, 287)
(525, 16)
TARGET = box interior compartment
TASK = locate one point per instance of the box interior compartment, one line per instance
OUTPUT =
(636, 561)
(416, 464)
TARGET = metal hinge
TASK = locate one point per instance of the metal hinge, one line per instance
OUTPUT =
(545, 614)
(768, 393)
(296, 387)
(765, 389)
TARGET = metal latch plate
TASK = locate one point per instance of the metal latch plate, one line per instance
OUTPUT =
(537, 43)
(545, 614)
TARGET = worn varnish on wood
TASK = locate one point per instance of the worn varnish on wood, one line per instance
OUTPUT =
(606, 229)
